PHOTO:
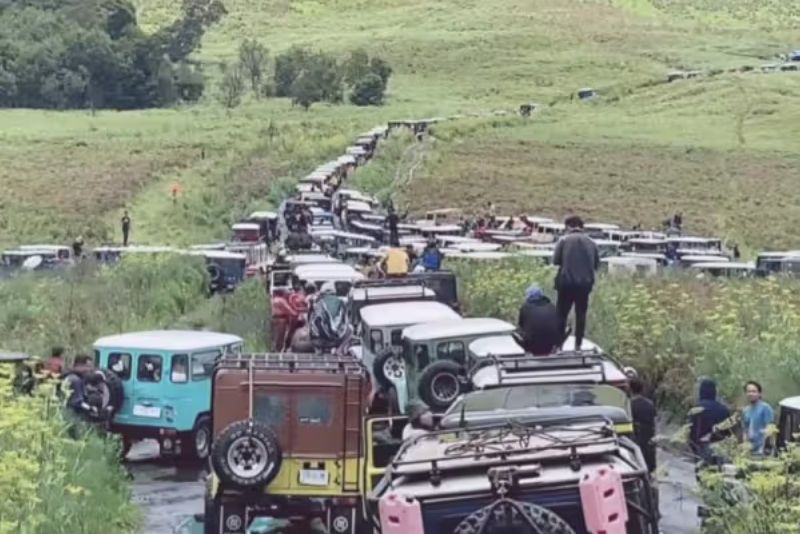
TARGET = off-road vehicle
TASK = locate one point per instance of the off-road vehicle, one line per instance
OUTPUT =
(288, 441)
(524, 474)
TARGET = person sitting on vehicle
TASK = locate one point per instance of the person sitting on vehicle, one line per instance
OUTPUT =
(432, 257)
(643, 412)
(708, 413)
(328, 319)
(420, 420)
(538, 323)
(395, 263)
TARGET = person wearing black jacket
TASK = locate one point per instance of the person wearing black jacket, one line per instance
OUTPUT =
(538, 323)
(577, 258)
(644, 422)
(708, 413)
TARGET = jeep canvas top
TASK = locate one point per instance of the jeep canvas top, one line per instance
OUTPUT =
(406, 313)
(454, 328)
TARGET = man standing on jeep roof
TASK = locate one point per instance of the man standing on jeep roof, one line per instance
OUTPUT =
(577, 258)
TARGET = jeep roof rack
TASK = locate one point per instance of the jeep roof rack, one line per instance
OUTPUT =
(509, 442)
(560, 365)
(292, 362)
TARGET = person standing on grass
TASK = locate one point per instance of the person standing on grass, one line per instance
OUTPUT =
(707, 414)
(756, 417)
(126, 228)
(577, 258)
(55, 363)
(644, 422)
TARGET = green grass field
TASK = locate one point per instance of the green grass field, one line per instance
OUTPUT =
(718, 148)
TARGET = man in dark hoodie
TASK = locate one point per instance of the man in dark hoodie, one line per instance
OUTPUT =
(538, 323)
(577, 258)
(708, 413)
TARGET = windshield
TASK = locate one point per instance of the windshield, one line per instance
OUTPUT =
(541, 396)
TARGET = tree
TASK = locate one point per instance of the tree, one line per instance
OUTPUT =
(232, 86)
(287, 68)
(356, 66)
(306, 90)
(368, 91)
(253, 59)
(381, 68)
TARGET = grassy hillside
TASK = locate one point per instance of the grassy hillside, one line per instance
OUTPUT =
(71, 173)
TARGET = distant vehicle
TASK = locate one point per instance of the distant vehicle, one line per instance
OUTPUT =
(630, 265)
(586, 93)
(226, 270)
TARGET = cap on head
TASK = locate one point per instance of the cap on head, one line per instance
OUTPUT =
(534, 292)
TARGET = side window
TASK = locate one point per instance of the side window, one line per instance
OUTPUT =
(180, 368)
(421, 356)
(120, 363)
(203, 364)
(451, 350)
(314, 410)
(149, 368)
(375, 340)
(397, 337)
(271, 409)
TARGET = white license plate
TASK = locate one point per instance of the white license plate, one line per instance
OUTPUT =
(146, 411)
(313, 477)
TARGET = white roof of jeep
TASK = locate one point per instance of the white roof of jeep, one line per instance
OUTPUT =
(361, 293)
(473, 326)
(218, 254)
(246, 226)
(168, 340)
(505, 346)
(406, 313)
(793, 403)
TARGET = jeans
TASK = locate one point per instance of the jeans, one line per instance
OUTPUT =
(567, 298)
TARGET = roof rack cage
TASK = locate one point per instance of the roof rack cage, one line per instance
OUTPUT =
(366, 285)
(603, 426)
(557, 365)
(293, 362)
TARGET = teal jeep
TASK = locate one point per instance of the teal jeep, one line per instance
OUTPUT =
(165, 382)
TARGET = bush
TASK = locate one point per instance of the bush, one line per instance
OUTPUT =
(90, 301)
(52, 483)
(368, 91)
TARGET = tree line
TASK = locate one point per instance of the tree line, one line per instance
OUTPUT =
(67, 54)
(305, 76)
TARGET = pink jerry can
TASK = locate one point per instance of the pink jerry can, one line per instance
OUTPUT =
(400, 515)
(603, 498)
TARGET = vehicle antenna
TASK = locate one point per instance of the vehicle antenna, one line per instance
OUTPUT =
(462, 420)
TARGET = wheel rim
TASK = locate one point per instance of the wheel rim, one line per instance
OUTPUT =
(247, 457)
(201, 442)
(394, 368)
(444, 387)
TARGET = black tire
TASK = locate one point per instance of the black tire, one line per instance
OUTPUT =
(381, 360)
(441, 383)
(545, 521)
(246, 455)
(193, 450)
(114, 395)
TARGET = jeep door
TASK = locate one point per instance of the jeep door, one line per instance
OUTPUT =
(150, 387)
(188, 388)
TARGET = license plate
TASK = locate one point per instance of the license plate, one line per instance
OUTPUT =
(146, 411)
(313, 477)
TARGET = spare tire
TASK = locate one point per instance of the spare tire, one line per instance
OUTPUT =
(112, 389)
(533, 519)
(441, 383)
(388, 368)
(246, 455)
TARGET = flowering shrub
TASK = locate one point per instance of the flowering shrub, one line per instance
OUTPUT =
(52, 483)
